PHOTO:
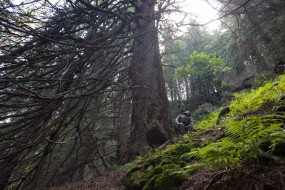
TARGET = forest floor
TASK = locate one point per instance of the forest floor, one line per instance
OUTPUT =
(251, 177)
(110, 180)
(114, 180)
(265, 175)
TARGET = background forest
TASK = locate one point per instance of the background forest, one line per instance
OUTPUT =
(89, 84)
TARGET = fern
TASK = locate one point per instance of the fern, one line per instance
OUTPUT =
(253, 129)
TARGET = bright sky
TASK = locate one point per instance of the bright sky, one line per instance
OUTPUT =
(203, 12)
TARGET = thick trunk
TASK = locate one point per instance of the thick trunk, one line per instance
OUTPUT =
(151, 120)
(122, 125)
(171, 90)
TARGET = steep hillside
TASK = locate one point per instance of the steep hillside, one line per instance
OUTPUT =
(241, 146)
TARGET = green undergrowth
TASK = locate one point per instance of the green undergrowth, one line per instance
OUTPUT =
(251, 132)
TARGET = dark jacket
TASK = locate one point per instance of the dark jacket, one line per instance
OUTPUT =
(186, 120)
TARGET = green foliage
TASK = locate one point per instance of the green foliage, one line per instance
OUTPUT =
(226, 69)
(203, 66)
(203, 111)
(252, 130)
(254, 100)
(251, 121)
(205, 72)
(210, 121)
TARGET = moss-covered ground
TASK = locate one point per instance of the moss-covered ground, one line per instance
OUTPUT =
(250, 135)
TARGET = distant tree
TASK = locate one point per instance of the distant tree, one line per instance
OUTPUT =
(177, 67)
(205, 71)
(254, 33)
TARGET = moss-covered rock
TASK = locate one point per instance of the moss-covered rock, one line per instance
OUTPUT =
(170, 179)
(135, 181)
(154, 160)
(178, 149)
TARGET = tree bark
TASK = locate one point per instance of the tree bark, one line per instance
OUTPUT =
(151, 119)
(122, 125)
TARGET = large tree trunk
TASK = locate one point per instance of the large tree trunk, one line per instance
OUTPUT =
(122, 126)
(151, 119)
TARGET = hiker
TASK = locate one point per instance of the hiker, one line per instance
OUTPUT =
(184, 123)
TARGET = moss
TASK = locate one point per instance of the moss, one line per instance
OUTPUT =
(151, 183)
(181, 163)
(178, 149)
(151, 173)
(134, 169)
(168, 160)
(135, 181)
(278, 148)
(132, 164)
(170, 179)
(171, 167)
(189, 156)
(193, 168)
(157, 170)
(153, 161)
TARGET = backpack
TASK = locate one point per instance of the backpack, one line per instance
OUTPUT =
(185, 120)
